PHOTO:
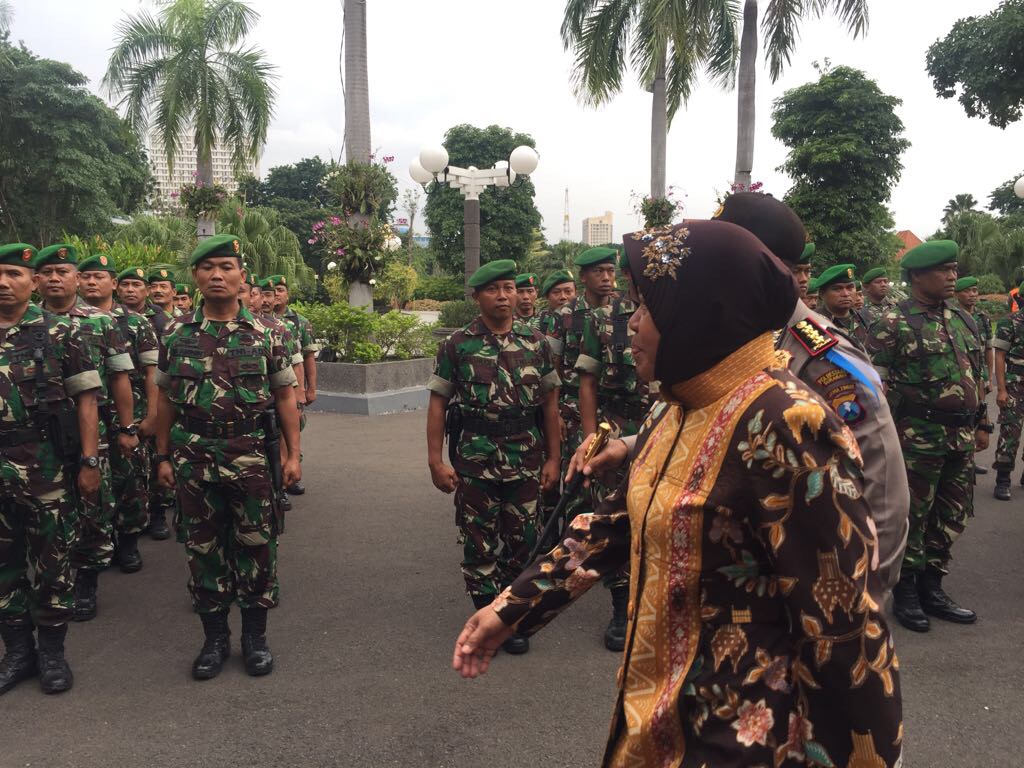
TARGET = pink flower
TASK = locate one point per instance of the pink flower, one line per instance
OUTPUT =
(335, 221)
(800, 732)
(340, 252)
(318, 226)
(311, 241)
(753, 723)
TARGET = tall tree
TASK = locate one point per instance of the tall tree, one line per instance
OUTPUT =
(983, 57)
(668, 43)
(356, 82)
(962, 203)
(781, 31)
(187, 69)
(845, 142)
(411, 203)
(68, 162)
(508, 216)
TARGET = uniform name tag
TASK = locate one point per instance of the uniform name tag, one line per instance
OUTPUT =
(250, 365)
(812, 337)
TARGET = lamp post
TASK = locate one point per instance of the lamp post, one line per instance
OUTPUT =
(432, 165)
(1018, 188)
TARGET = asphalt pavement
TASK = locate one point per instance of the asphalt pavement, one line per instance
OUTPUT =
(371, 602)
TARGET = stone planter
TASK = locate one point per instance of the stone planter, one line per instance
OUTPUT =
(373, 389)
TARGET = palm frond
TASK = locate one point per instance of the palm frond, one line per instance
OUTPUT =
(227, 22)
(601, 51)
(724, 47)
(781, 31)
(139, 39)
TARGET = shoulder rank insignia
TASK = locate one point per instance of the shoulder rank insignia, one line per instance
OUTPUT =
(815, 339)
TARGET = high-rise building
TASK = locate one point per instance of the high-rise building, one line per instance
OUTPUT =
(597, 230)
(168, 183)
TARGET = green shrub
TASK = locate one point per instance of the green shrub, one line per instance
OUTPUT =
(351, 335)
(424, 305)
(439, 288)
(366, 352)
(989, 284)
(455, 314)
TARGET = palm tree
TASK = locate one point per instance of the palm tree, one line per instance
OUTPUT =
(6, 16)
(187, 70)
(668, 43)
(355, 82)
(780, 28)
(964, 203)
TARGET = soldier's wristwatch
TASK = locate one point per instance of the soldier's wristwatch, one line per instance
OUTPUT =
(131, 429)
(89, 461)
(159, 458)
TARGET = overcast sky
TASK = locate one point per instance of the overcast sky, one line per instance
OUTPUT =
(437, 63)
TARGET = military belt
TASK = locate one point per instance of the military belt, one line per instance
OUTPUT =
(9, 438)
(631, 410)
(945, 418)
(501, 427)
(219, 429)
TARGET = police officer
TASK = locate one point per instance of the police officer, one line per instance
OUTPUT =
(526, 298)
(837, 286)
(498, 375)
(45, 374)
(928, 353)
(219, 373)
(1009, 376)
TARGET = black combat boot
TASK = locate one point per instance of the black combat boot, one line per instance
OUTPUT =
(216, 647)
(906, 603)
(19, 661)
(255, 651)
(284, 502)
(615, 635)
(980, 470)
(54, 673)
(85, 594)
(128, 557)
(296, 489)
(158, 529)
(1002, 491)
(937, 603)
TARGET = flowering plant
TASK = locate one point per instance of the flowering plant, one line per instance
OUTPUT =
(734, 187)
(200, 200)
(358, 249)
(657, 211)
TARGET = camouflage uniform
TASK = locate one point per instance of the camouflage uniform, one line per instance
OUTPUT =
(302, 331)
(101, 336)
(872, 312)
(855, 325)
(930, 361)
(220, 377)
(159, 497)
(984, 323)
(38, 519)
(498, 383)
(131, 475)
(1010, 339)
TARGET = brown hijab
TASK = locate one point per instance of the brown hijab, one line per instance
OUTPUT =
(710, 287)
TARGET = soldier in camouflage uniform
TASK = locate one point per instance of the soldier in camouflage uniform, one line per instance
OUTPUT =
(498, 376)
(45, 373)
(559, 289)
(967, 298)
(837, 288)
(928, 354)
(57, 281)
(526, 298)
(182, 299)
(1009, 375)
(876, 293)
(161, 291)
(611, 391)
(130, 474)
(220, 371)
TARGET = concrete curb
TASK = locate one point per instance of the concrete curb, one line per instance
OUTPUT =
(372, 403)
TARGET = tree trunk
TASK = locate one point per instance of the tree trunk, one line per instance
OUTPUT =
(659, 131)
(205, 227)
(471, 239)
(746, 90)
(408, 245)
(356, 81)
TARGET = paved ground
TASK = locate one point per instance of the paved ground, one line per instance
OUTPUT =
(371, 604)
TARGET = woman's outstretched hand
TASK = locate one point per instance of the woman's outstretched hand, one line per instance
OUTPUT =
(478, 642)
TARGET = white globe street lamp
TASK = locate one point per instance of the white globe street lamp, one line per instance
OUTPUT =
(1018, 188)
(420, 174)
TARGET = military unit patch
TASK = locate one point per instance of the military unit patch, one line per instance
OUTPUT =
(812, 337)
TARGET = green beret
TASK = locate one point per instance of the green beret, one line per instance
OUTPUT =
(132, 273)
(593, 256)
(805, 256)
(502, 269)
(98, 262)
(840, 273)
(180, 289)
(218, 245)
(275, 280)
(930, 254)
(252, 279)
(812, 286)
(526, 280)
(874, 274)
(556, 278)
(966, 282)
(858, 285)
(265, 284)
(59, 253)
(160, 275)
(18, 255)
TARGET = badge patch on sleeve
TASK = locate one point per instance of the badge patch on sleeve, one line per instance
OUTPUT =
(840, 391)
(815, 339)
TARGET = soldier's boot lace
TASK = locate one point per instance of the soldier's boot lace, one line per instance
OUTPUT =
(128, 557)
(54, 673)
(255, 651)
(85, 594)
(19, 661)
(615, 634)
(1002, 490)
(906, 603)
(937, 603)
(216, 647)
(158, 529)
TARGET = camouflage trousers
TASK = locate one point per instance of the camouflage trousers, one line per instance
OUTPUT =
(230, 536)
(37, 530)
(497, 523)
(94, 548)
(1011, 416)
(941, 500)
(130, 481)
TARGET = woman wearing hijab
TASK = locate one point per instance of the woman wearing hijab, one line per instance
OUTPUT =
(755, 635)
